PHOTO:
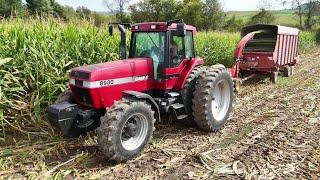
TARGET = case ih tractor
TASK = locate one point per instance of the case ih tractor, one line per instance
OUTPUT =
(123, 99)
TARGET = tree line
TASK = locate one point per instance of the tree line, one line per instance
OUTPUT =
(49, 8)
(204, 14)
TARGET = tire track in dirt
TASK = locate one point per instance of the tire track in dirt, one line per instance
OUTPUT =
(260, 111)
(273, 131)
(249, 153)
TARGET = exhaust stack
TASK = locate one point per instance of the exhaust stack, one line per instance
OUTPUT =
(123, 45)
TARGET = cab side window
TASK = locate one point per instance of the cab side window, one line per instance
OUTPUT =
(176, 51)
(181, 48)
(189, 45)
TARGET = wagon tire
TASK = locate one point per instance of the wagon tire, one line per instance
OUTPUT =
(188, 90)
(213, 99)
(287, 71)
(291, 70)
(125, 130)
(274, 77)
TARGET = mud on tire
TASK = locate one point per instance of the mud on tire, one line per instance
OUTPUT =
(125, 129)
(188, 90)
(213, 98)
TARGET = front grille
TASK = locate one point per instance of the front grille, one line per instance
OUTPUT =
(78, 82)
(84, 96)
(80, 75)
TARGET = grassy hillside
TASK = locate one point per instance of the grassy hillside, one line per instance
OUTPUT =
(282, 17)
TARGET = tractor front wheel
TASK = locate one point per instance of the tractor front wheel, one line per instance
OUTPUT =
(213, 99)
(125, 130)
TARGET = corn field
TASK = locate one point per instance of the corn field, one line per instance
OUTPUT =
(35, 58)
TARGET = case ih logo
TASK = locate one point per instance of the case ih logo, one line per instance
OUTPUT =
(109, 82)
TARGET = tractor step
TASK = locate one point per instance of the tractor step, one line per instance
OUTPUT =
(177, 106)
(174, 94)
(184, 116)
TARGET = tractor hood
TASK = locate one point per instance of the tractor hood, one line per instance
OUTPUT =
(135, 67)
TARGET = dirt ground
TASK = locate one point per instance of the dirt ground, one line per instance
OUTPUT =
(273, 133)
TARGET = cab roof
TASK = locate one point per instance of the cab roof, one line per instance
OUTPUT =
(276, 29)
(159, 26)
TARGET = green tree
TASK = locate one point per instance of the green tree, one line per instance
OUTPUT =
(39, 7)
(233, 24)
(10, 8)
(118, 8)
(213, 16)
(154, 10)
(297, 6)
(192, 13)
(69, 13)
(262, 17)
(58, 10)
(312, 13)
(84, 12)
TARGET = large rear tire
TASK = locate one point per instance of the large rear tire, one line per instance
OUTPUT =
(188, 90)
(125, 130)
(213, 99)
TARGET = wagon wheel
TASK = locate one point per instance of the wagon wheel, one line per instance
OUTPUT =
(274, 77)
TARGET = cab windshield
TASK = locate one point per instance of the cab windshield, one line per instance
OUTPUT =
(151, 45)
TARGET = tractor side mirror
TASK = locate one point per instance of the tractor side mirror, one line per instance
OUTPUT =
(110, 30)
(181, 31)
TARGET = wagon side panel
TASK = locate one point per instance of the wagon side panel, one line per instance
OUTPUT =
(290, 50)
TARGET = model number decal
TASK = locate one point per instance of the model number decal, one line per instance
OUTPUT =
(106, 82)
(110, 82)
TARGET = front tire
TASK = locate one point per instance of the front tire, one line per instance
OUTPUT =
(125, 130)
(213, 99)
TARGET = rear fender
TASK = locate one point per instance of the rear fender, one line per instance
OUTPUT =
(191, 64)
(146, 97)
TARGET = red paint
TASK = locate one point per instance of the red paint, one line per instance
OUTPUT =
(161, 26)
(105, 96)
(285, 51)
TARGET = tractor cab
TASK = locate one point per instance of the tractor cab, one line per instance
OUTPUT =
(168, 44)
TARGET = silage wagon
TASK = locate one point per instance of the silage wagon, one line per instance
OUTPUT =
(265, 49)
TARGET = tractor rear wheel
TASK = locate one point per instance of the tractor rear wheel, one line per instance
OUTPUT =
(125, 129)
(213, 99)
(188, 90)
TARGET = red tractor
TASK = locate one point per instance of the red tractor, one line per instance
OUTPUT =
(123, 99)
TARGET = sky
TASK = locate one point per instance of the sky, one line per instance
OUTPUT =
(228, 5)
